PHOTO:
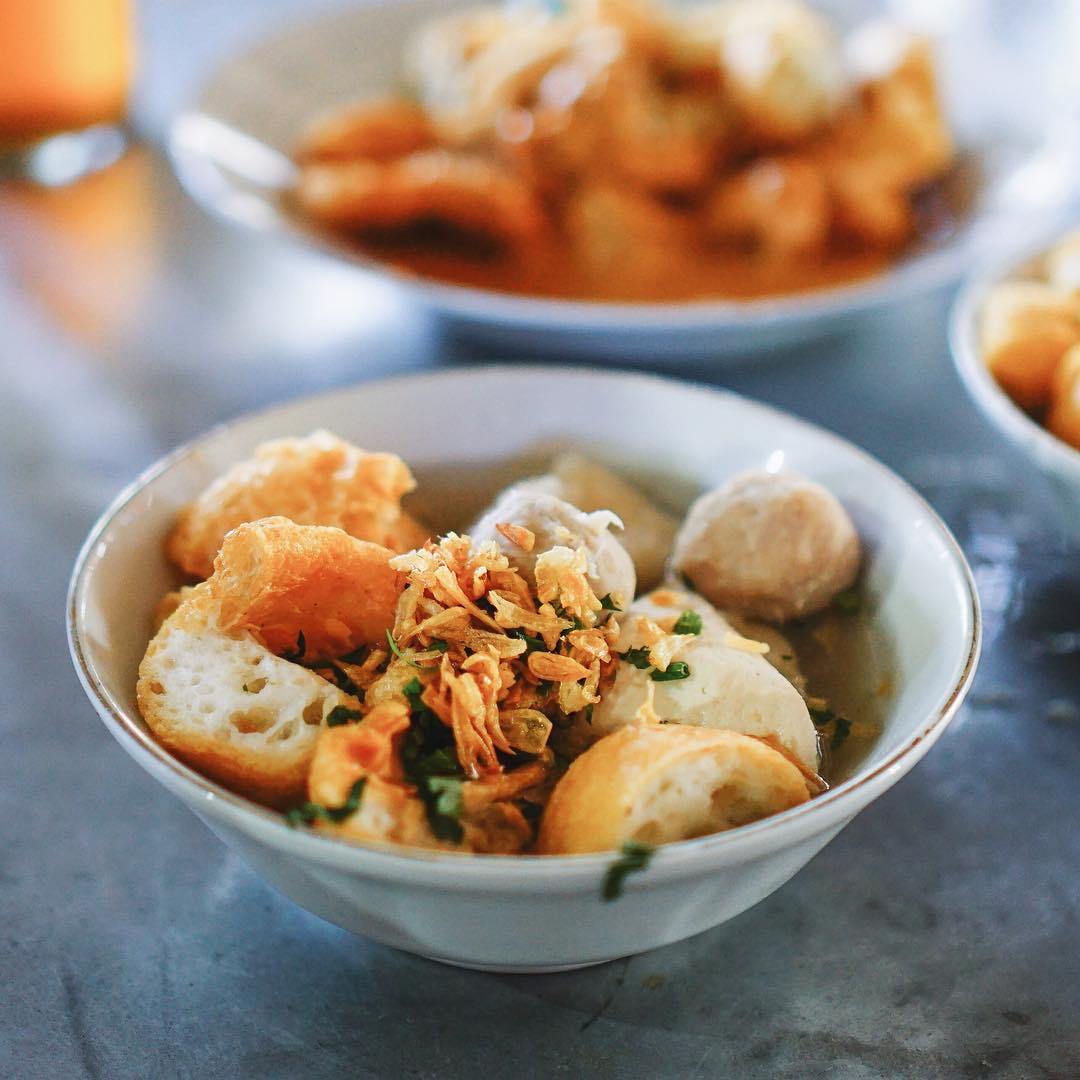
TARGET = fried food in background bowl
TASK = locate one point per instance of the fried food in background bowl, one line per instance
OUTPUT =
(625, 179)
(1015, 338)
(919, 626)
(624, 150)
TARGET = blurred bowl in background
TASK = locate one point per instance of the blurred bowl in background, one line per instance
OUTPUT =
(1017, 169)
(1054, 459)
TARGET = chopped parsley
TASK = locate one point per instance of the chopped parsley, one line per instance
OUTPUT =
(841, 726)
(638, 657)
(438, 645)
(849, 601)
(633, 858)
(309, 812)
(676, 670)
(608, 604)
(342, 714)
(443, 801)
(689, 622)
(430, 761)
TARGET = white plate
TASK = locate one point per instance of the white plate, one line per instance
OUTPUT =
(521, 913)
(229, 151)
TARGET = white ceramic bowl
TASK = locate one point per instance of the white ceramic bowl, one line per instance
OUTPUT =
(520, 913)
(230, 151)
(1056, 460)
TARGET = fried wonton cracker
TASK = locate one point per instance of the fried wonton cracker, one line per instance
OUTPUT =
(278, 579)
(318, 480)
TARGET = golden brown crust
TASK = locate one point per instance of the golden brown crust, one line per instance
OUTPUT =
(318, 480)
(277, 579)
(1027, 327)
(620, 789)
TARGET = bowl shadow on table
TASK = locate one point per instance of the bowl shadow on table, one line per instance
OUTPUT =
(460, 346)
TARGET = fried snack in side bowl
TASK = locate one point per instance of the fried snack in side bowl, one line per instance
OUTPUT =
(1015, 339)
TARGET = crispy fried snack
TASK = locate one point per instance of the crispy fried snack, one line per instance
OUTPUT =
(655, 784)
(486, 671)
(1027, 327)
(226, 705)
(319, 480)
(276, 580)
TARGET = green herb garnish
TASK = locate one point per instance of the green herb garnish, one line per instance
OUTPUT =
(689, 622)
(676, 670)
(633, 857)
(430, 761)
(849, 601)
(442, 797)
(342, 714)
(638, 657)
(588, 714)
(532, 643)
(438, 645)
(608, 604)
(304, 815)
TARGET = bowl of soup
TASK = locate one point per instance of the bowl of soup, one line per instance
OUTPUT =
(892, 655)
(625, 179)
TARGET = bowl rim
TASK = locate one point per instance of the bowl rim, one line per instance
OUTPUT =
(511, 873)
(912, 273)
(1050, 452)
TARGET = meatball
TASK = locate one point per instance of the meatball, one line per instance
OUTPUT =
(555, 523)
(647, 532)
(729, 686)
(773, 546)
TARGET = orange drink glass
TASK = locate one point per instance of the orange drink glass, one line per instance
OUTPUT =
(65, 72)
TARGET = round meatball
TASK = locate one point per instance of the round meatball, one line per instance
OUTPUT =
(647, 532)
(773, 546)
(555, 523)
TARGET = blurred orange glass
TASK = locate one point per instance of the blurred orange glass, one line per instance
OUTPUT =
(64, 65)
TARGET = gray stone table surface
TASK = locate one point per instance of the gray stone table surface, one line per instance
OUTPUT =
(937, 936)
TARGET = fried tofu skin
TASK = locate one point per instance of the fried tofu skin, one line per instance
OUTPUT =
(1063, 416)
(277, 579)
(318, 480)
(380, 130)
(1027, 327)
(655, 784)
(228, 707)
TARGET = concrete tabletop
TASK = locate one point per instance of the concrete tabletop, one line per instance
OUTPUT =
(937, 936)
